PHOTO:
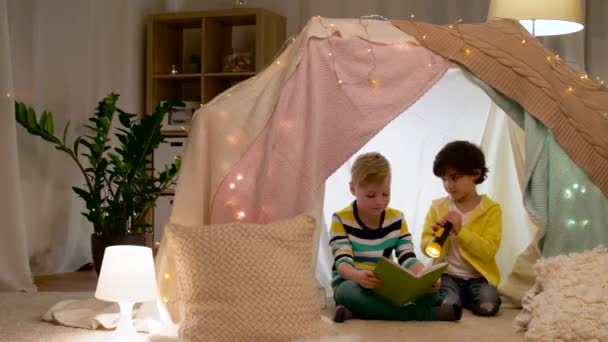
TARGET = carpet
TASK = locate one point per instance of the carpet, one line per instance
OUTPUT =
(20, 321)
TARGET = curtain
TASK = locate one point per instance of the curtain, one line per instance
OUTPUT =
(14, 266)
(64, 56)
(596, 39)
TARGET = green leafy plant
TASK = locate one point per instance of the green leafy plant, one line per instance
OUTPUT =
(120, 184)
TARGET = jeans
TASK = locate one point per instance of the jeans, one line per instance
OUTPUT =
(473, 294)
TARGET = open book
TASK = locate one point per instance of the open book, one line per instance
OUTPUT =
(400, 285)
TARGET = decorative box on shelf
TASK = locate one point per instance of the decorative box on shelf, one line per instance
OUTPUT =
(180, 117)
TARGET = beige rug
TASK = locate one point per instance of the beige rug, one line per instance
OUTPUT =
(469, 328)
(20, 321)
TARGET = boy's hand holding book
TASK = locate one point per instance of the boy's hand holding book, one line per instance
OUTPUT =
(367, 279)
(419, 268)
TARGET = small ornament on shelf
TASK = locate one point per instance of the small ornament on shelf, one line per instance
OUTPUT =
(195, 62)
(239, 3)
(237, 61)
(174, 70)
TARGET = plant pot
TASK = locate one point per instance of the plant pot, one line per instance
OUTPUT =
(100, 242)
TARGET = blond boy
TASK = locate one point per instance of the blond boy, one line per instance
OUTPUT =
(362, 233)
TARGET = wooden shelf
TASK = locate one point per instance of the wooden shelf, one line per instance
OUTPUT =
(192, 77)
(175, 133)
(175, 38)
(230, 74)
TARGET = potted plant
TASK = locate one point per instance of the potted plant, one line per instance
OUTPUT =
(120, 184)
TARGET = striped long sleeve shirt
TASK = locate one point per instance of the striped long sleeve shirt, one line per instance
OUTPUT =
(354, 243)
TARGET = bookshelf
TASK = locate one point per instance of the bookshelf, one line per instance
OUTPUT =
(176, 41)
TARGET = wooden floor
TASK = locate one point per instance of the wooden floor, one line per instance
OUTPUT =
(79, 281)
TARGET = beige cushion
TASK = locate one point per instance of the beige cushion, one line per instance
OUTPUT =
(246, 282)
(572, 304)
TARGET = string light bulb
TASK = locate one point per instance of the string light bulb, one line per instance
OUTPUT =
(369, 50)
(239, 176)
(167, 276)
(339, 81)
(240, 215)
(232, 186)
(424, 37)
(570, 90)
(165, 300)
(523, 41)
(585, 77)
(467, 52)
(8, 95)
(412, 16)
(232, 139)
(375, 83)
(330, 54)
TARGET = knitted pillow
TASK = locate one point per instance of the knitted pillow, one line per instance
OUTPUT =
(247, 282)
(572, 304)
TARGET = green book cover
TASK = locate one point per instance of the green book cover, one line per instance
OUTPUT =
(400, 285)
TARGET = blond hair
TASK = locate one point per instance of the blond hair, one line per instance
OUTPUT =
(370, 167)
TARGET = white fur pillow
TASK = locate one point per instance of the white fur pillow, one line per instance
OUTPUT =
(247, 282)
(572, 304)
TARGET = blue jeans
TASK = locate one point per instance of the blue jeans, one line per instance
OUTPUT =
(473, 294)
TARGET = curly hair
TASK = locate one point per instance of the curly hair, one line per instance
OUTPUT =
(462, 156)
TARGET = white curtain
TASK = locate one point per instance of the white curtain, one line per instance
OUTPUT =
(65, 56)
(454, 109)
(14, 267)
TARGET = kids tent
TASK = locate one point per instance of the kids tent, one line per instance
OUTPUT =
(263, 150)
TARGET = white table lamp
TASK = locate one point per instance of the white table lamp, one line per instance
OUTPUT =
(541, 17)
(127, 276)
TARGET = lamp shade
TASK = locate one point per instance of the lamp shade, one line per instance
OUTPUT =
(541, 17)
(127, 275)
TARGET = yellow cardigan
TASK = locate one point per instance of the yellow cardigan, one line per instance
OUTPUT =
(478, 240)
